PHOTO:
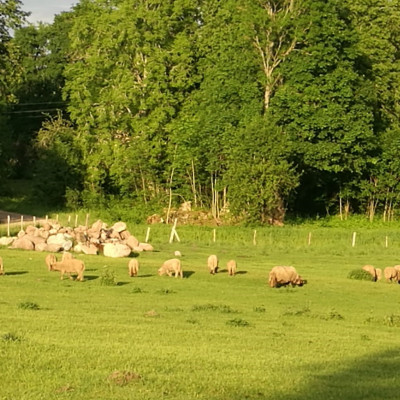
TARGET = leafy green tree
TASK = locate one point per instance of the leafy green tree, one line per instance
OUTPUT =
(325, 105)
(11, 17)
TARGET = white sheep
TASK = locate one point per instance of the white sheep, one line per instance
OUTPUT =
(133, 267)
(391, 274)
(50, 259)
(212, 263)
(171, 266)
(71, 266)
(231, 265)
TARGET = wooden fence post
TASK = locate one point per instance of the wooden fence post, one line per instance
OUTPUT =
(147, 235)
(254, 237)
(8, 225)
(353, 242)
(309, 238)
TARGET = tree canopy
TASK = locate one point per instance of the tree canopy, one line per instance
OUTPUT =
(258, 108)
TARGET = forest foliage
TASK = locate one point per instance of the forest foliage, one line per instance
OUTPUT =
(259, 107)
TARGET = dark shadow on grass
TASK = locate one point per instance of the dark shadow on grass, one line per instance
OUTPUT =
(187, 274)
(143, 276)
(222, 271)
(373, 377)
(241, 272)
(91, 269)
(369, 378)
(122, 283)
(16, 273)
(90, 277)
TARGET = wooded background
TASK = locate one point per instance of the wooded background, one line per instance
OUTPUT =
(260, 107)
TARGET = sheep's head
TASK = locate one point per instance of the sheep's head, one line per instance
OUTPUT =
(161, 271)
(299, 281)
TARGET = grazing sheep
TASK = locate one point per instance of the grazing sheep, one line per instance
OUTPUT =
(371, 270)
(1, 267)
(378, 274)
(391, 274)
(170, 266)
(212, 263)
(71, 266)
(281, 276)
(231, 265)
(50, 259)
(133, 267)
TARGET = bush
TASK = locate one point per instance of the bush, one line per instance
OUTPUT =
(107, 278)
(361, 275)
(28, 306)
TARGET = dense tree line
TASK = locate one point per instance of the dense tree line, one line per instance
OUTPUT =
(262, 107)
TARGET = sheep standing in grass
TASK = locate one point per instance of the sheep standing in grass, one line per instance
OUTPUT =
(71, 266)
(391, 274)
(50, 259)
(378, 274)
(282, 276)
(171, 266)
(212, 263)
(133, 267)
(371, 270)
(1, 267)
(231, 265)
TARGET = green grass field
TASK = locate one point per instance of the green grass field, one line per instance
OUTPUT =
(206, 337)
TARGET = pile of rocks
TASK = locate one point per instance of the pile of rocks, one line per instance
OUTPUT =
(115, 241)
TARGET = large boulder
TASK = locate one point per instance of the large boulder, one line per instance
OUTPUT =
(23, 243)
(132, 242)
(119, 227)
(116, 250)
(91, 249)
(6, 241)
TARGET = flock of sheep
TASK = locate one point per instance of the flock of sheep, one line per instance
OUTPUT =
(391, 274)
(69, 265)
(278, 276)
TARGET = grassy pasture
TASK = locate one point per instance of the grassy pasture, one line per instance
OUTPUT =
(206, 337)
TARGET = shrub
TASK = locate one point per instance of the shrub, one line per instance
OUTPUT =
(360, 274)
(238, 322)
(27, 305)
(10, 337)
(107, 278)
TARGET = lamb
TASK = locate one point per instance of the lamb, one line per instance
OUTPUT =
(133, 267)
(371, 270)
(170, 266)
(212, 263)
(50, 259)
(231, 265)
(71, 266)
(391, 274)
(1, 267)
(282, 275)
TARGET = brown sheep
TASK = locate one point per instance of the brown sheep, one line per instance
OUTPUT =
(50, 259)
(281, 276)
(1, 267)
(133, 267)
(212, 263)
(371, 270)
(171, 266)
(71, 266)
(231, 265)
(391, 274)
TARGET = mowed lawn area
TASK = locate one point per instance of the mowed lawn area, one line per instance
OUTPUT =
(203, 336)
